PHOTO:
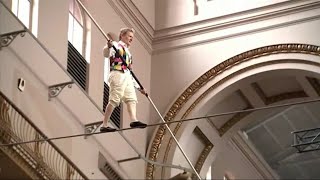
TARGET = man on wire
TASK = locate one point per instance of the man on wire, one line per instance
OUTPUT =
(121, 84)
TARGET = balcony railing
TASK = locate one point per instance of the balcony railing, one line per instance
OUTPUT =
(44, 158)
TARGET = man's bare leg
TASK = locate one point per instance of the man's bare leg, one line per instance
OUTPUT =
(107, 114)
(132, 110)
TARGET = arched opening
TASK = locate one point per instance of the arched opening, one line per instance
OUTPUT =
(234, 85)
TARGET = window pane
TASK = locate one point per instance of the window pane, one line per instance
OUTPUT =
(71, 6)
(15, 7)
(74, 9)
(77, 36)
(75, 31)
(24, 12)
(70, 28)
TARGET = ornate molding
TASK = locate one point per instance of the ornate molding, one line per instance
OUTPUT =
(91, 128)
(56, 89)
(132, 17)
(231, 20)
(209, 75)
(7, 38)
(182, 34)
(150, 38)
(237, 116)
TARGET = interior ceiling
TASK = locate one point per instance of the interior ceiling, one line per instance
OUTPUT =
(9, 170)
(270, 130)
(273, 139)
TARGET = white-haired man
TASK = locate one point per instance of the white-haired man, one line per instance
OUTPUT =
(121, 83)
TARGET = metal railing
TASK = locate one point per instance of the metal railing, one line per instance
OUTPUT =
(306, 140)
(44, 158)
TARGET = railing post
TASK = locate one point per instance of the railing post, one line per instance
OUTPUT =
(70, 172)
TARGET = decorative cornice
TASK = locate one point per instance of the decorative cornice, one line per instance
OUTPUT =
(209, 75)
(149, 37)
(227, 21)
(201, 41)
(222, 31)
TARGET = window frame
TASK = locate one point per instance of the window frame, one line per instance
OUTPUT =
(82, 24)
(18, 11)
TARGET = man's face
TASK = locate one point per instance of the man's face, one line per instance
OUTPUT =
(127, 38)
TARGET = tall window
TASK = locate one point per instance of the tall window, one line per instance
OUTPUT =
(76, 26)
(22, 9)
(77, 65)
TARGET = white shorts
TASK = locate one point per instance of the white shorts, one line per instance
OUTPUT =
(121, 88)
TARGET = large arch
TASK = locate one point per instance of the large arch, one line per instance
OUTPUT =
(214, 83)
